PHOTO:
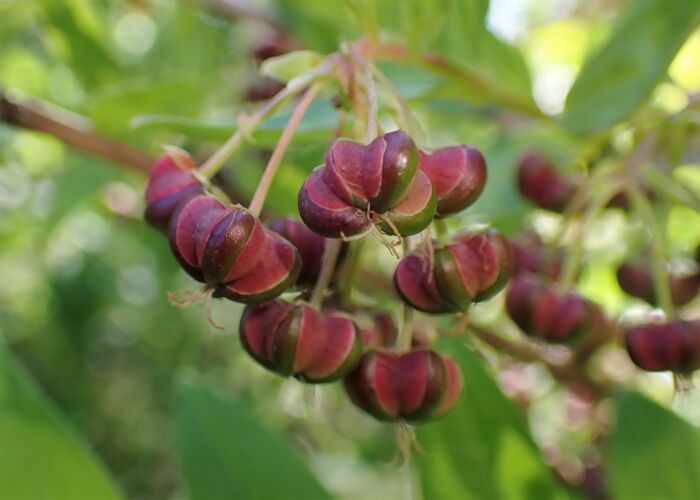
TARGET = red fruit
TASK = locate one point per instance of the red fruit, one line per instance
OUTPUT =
(417, 385)
(170, 183)
(228, 249)
(543, 311)
(458, 174)
(310, 246)
(299, 341)
(473, 267)
(671, 346)
(635, 279)
(540, 183)
(531, 255)
(359, 185)
(381, 334)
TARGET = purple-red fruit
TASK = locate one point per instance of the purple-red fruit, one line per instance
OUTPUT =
(414, 386)
(635, 279)
(228, 249)
(458, 174)
(471, 268)
(360, 185)
(170, 183)
(309, 245)
(671, 346)
(540, 183)
(381, 333)
(543, 311)
(531, 255)
(298, 341)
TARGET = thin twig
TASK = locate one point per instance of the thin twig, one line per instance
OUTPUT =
(330, 257)
(281, 147)
(74, 130)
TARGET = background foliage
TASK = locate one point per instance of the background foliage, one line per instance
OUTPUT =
(106, 391)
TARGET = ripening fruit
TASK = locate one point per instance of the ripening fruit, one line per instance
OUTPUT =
(635, 279)
(381, 333)
(296, 340)
(540, 183)
(414, 386)
(227, 248)
(310, 246)
(532, 256)
(473, 267)
(360, 185)
(458, 174)
(543, 311)
(671, 346)
(170, 183)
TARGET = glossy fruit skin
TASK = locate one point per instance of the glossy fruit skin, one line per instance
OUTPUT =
(635, 279)
(298, 341)
(543, 311)
(473, 267)
(360, 185)
(170, 182)
(414, 386)
(458, 174)
(309, 245)
(673, 346)
(228, 249)
(540, 183)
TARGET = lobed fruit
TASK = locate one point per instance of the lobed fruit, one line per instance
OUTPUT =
(543, 311)
(530, 255)
(170, 182)
(540, 183)
(458, 174)
(673, 346)
(471, 268)
(227, 248)
(358, 182)
(296, 340)
(414, 386)
(636, 280)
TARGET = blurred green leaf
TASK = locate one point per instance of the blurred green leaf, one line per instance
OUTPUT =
(227, 453)
(482, 448)
(613, 82)
(288, 66)
(318, 123)
(41, 456)
(652, 453)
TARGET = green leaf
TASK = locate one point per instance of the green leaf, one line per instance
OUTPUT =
(652, 453)
(615, 81)
(41, 456)
(482, 448)
(288, 66)
(227, 453)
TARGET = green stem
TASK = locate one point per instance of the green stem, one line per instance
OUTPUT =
(210, 167)
(273, 164)
(643, 210)
(405, 338)
(572, 262)
(330, 257)
(441, 230)
(350, 270)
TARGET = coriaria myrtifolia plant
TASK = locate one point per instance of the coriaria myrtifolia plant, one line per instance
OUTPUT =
(389, 185)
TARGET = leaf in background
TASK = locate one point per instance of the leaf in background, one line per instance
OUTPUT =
(613, 82)
(41, 456)
(113, 108)
(482, 448)
(317, 125)
(497, 68)
(288, 66)
(652, 453)
(227, 453)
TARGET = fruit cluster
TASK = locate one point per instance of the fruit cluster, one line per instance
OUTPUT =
(390, 183)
